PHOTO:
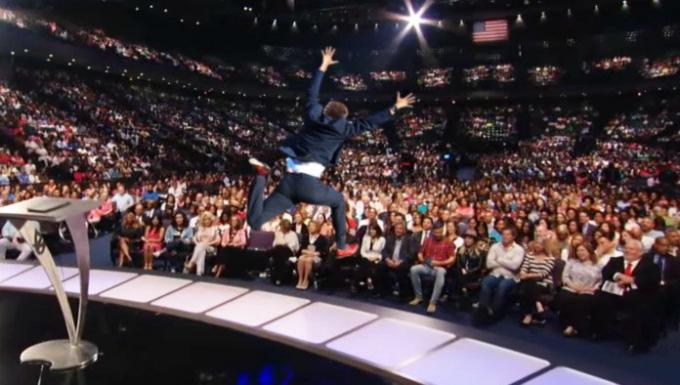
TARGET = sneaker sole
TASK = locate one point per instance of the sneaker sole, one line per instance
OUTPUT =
(256, 163)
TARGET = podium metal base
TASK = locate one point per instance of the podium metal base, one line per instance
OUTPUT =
(61, 355)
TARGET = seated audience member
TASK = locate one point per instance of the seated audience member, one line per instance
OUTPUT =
(206, 239)
(503, 262)
(130, 231)
(106, 209)
(151, 211)
(435, 257)
(285, 236)
(673, 237)
(397, 258)
(301, 229)
(669, 301)
(372, 246)
(234, 240)
(312, 257)
(421, 236)
(470, 263)
(122, 199)
(452, 234)
(286, 245)
(606, 250)
(177, 237)
(535, 280)
(12, 240)
(581, 278)
(153, 241)
(630, 284)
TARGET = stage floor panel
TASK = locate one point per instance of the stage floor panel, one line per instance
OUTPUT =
(8, 270)
(319, 322)
(100, 280)
(468, 361)
(390, 343)
(36, 278)
(199, 297)
(145, 288)
(257, 308)
(567, 376)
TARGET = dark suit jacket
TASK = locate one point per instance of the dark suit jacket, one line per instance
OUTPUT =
(647, 274)
(671, 273)
(418, 238)
(408, 251)
(321, 138)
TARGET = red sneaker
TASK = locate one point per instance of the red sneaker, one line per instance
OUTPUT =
(348, 250)
(260, 168)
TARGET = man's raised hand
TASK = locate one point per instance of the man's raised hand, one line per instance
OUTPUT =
(404, 102)
(327, 58)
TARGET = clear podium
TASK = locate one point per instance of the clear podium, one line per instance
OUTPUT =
(73, 352)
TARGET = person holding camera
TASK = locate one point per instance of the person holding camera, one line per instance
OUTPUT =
(12, 240)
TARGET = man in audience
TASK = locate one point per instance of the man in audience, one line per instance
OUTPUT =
(398, 255)
(435, 257)
(503, 262)
(669, 267)
(649, 233)
(421, 236)
(122, 199)
(309, 152)
(630, 284)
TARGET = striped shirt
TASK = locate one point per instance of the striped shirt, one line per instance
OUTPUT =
(543, 266)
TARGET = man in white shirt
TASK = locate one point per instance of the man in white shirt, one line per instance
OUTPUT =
(503, 261)
(122, 199)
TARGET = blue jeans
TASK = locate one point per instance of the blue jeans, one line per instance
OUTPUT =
(495, 292)
(293, 189)
(440, 278)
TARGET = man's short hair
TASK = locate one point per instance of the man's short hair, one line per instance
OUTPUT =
(336, 110)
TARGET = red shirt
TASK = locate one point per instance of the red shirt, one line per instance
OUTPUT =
(438, 250)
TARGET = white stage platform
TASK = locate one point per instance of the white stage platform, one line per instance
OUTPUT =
(412, 350)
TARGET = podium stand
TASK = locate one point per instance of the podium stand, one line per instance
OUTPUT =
(73, 352)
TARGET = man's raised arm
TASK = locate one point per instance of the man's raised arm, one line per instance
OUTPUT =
(314, 108)
(376, 120)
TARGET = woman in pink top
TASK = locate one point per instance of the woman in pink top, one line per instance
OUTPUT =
(105, 209)
(464, 209)
(153, 241)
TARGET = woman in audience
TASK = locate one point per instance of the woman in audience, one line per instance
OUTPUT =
(131, 231)
(153, 240)
(177, 236)
(312, 257)
(417, 225)
(372, 246)
(224, 223)
(106, 209)
(233, 242)
(169, 206)
(605, 250)
(469, 266)
(535, 280)
(580, 280)
(206, 239)
(286, 245)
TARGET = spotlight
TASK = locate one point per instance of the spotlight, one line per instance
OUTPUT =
(415, 18)
(624, 5)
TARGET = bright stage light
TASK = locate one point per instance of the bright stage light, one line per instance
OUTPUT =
(415, 19)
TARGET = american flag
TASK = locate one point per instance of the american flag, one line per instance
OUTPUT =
(489, 31)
